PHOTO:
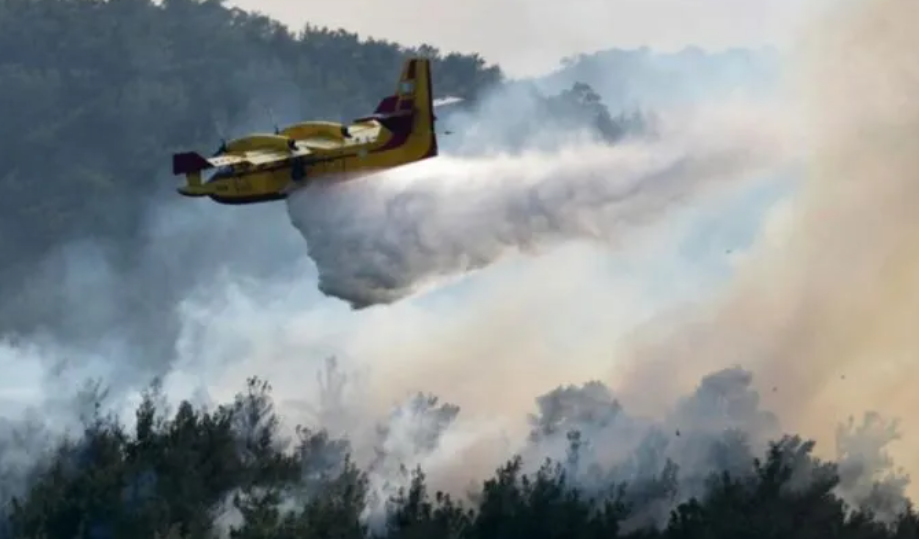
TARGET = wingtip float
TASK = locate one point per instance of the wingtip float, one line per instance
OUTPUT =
(268, 167)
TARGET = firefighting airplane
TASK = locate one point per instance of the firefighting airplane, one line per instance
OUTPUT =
(267, 167)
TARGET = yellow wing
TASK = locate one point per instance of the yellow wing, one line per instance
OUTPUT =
(264, 157)
(192, 162)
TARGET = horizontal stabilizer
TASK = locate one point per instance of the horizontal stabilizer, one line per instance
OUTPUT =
(387, 105)
(397, 122)
(447, 101)
(397, 112)
(189, 163)
(390, 107)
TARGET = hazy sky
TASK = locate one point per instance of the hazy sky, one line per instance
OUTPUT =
(530, 36)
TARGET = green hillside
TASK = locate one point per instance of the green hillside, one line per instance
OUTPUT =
(202, 473)
(94, 96)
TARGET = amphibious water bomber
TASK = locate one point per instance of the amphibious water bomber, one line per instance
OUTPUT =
(265, 167)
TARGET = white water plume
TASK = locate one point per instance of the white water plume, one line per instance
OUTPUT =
(387, 236)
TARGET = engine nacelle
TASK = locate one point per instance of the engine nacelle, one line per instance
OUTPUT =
(307, 130)
(259, 142)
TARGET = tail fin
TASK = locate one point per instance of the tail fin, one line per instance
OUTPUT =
(411, 100)
(415, 72)
(409, 113)
(418, 75)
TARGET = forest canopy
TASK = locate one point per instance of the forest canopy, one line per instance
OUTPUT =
(230, 471)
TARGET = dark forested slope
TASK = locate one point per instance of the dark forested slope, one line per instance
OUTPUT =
(96, 95)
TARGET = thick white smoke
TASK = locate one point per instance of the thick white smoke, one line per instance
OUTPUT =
(823, 307)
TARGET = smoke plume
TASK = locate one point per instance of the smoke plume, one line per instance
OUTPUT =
(823, 307)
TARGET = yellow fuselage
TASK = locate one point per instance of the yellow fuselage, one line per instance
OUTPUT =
(340, 160)
(264, 167)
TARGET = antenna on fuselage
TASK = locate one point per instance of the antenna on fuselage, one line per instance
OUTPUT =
(291, 143)
(274, 120)
(218, 126)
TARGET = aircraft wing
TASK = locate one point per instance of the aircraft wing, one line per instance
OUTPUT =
(191, 162)
(261, 157)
